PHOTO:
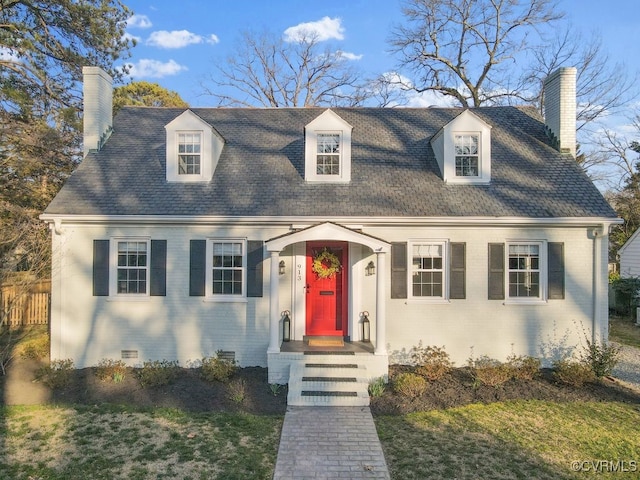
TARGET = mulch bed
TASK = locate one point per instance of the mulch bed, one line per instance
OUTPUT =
(189, 392)
(457, 389)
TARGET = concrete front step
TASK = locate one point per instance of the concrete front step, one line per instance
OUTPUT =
(328, 380)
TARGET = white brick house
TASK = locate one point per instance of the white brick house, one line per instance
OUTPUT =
(184, 232)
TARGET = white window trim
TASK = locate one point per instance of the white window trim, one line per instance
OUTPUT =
(444, 299)
(189, 176)
(113, 269)
(209, 295)
(542, 298)
(340, 159)
(479, 155)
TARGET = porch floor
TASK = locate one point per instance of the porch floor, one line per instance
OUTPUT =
(297, 346)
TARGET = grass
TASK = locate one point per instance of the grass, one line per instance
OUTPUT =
(623, 330)
(520, 439)
(134, 444)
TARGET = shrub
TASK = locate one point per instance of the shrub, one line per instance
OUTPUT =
(377, 387)
(156, 373)
(571, 372)
(36, 348)
(237, 391)
(410, 385)
(523, 367)
(57, 374)
(489, 371)
(432, 362)
(111, 370)
(275, 388)
(600, 357)
(217, 368)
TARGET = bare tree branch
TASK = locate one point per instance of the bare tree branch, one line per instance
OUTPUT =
(266, 71)
(463, 48)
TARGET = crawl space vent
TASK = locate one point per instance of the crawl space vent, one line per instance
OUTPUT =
(129, 353)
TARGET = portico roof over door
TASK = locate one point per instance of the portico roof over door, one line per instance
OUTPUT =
(324, 231)
(335, 232)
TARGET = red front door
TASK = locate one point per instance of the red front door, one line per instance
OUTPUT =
(327, 297)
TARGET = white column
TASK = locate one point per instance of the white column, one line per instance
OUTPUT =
(274, 305)
(381, 304)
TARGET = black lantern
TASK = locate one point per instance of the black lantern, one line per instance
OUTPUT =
(370, 269)
(365, 327)
(281, 267)
(286, 326)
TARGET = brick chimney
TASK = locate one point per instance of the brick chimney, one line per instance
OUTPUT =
(560, 109)
(98, 103)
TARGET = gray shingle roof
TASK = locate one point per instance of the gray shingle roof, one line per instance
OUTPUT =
(394, 170)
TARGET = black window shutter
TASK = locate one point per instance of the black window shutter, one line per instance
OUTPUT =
(255, 256)
(101, 268)
(197, 267)
(457, 277)
(398, 270)
(496, 271)
(158, 272)
(555, 260)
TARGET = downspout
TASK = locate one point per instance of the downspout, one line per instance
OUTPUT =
(596, 281)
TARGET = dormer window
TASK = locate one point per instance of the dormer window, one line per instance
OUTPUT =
(463, 150)
(193, 149)
(189, 153)
(328, 159)
(327, 149)
(467, 154)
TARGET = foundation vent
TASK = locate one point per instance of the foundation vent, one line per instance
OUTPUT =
(129, 354)
(226, 355)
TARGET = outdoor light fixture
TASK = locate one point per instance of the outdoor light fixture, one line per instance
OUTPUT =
(370, 269)
(286, 326)
(281, 267)
(365, 331)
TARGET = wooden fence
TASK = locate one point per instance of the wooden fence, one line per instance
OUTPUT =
(25, 308)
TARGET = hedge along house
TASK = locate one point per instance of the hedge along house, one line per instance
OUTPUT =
(185, 232)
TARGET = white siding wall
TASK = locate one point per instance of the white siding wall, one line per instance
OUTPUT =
(630, 258)
(477, 326)
(88, 329)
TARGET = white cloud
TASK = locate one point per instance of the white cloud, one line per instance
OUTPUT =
(147, 68)
(178, 39)
(349, 55)
(139, 21)
(213, 39)
(324, 29)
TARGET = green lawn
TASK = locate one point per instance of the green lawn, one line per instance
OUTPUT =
(515, 440)
(623, 330)
(510, 440)
(124, 443)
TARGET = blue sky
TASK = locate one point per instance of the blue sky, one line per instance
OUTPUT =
(179, 41)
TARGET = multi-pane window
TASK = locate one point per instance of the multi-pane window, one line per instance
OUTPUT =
(427, 269)
(328, 154)
(467, 156)
(132, 272)
(189, 153)
(227, 268)
(524, 270)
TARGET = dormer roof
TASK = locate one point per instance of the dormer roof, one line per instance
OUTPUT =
(394, 170)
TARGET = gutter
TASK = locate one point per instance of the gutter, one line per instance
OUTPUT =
(308, 221)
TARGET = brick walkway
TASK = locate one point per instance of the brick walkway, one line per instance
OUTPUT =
(329, 442)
